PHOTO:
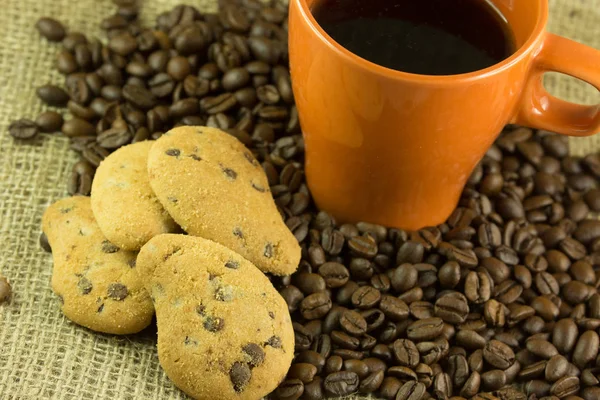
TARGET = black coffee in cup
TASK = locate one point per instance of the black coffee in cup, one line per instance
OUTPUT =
(428, 37)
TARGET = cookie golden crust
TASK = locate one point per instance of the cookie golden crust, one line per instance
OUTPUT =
(126, 209)
(96, 281)
(223, 330)
(213, 187)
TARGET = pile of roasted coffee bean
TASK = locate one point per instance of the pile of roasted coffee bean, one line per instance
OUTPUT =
(499, 302)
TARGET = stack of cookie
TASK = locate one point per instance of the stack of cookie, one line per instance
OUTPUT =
(122, 255)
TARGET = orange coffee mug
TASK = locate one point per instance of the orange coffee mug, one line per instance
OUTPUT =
(394, 148)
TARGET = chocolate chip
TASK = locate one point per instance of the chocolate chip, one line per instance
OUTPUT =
(238, 232)
(201, 310)
(251, 159)
(258, 187)
(256, 353)
(240, 375)
(173, 152)
(108, 247)
(84, 285)
(195, 157)
(231, 174)
(268, 252)
(274, 341)
(117, 291)
(100, 309)
(213, 324)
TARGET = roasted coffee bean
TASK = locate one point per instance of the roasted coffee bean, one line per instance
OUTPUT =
(404, 278)
(353, 323)
(425, 329)
(565, 386)
(452, 308)
(341, 383)
(541, 348)
(303, 371)
(586, 349)
(478, 288)
(80, 181)
(51, 29)
(411, 390)
(315, 305)
(498, 355)
(406, 353)
(292, 296)
(23, 129)
(52, 95)
(394, 308)
(556, 368)
(75, 127)
(290, 389)
(49, 121)
(335, 274)
(470, 339)
(366, 297)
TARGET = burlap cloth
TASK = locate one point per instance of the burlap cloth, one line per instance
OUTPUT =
(42, 354)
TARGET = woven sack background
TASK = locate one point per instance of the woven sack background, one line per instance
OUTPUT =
(42, 354)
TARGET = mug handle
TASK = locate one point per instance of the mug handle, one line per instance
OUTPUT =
(539, 109)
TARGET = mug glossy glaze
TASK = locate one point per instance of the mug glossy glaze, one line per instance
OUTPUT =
(396, 148)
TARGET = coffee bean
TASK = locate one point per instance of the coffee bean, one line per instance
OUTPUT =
(478, 287)
(52, 95)
(470, 339)
(235, 78)
(341, 383)
(498, 355)
(394, 308)
(314, 389)
(335, 274)
(586, 349)
(23, 129)
(565, 386)
(5, 290)
(75, 127)
(51, 29)
(452, 308)
(353, 323)
(290, 389)
(309, 283)
(366, 297)
(315, 305)
(80, 181)
(406, 353)
(411, 390)
(404, 278)
(389, 388)
(425, 329)
(302, 371)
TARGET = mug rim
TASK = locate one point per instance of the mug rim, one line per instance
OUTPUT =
(516, 57)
